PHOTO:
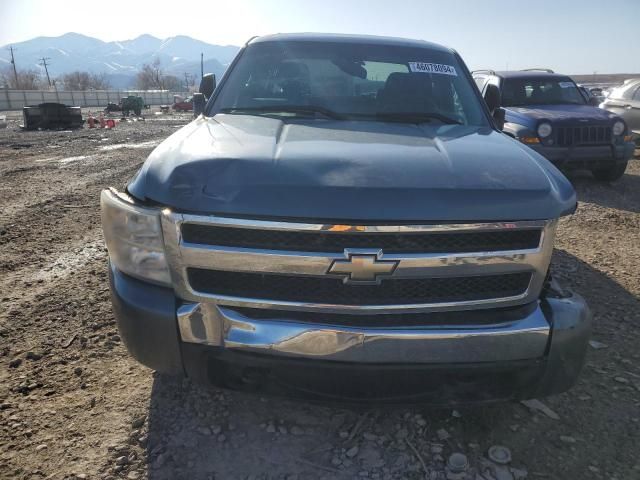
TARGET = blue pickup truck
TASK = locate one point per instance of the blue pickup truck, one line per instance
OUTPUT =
(344, 219)
(548, 112)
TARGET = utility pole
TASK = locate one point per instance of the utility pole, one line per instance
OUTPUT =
(201, 65)
(43, 62)
(15, 72)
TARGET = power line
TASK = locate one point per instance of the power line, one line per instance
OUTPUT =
(43, 62)
(186, 80)
(13, 63)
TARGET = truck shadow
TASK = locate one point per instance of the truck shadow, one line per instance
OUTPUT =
(623, 194)
(197, 432)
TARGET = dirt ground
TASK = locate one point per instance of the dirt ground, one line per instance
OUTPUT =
(74, 405)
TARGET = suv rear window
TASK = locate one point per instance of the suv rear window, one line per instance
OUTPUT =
(356, 81)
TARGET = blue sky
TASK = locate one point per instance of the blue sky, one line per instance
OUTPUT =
(570, 36)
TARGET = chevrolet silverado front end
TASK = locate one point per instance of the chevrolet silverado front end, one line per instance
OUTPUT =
(397, 249)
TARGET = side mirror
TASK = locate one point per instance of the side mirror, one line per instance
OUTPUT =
(499, 115)
(199, 103)
(207, 85)
(594, 102)
(492, 97)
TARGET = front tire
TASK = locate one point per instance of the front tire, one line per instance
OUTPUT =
(610, 174)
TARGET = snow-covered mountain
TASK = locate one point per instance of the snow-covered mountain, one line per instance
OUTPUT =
(119, 60)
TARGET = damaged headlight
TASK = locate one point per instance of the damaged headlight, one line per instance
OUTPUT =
(134, 238)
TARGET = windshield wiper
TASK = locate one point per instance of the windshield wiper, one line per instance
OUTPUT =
(302, 109)
(416, 117)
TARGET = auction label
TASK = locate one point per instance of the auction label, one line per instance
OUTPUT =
(421, 67)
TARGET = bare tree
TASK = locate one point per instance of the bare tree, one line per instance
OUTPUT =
(84, 81)
(152, 77)
(27, 79)
(172, 83)
(99, 81)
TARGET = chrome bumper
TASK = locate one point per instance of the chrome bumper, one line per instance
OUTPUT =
(217, 326)
(434, 365)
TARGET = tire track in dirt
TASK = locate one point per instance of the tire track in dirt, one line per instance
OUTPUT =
(86, 170)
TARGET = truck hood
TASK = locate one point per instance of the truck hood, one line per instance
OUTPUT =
(583, 114)
(254, 166)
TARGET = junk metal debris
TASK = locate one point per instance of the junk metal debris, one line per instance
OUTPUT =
(132, 103)
(113, 107)
(50, 116)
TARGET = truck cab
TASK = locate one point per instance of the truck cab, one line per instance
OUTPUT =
(547, 112)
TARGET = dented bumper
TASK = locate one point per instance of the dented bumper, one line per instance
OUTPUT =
(523, 352)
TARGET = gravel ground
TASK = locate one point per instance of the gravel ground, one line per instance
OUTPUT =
(74, 405)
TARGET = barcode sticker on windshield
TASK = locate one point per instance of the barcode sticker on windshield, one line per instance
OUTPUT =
(566, 84)
(421, 67)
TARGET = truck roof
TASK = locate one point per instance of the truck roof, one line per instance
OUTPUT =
(344, 38)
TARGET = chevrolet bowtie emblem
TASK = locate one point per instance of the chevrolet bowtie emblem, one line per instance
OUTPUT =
(365, 268)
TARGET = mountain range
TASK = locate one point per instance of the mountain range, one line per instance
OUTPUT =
(120, 61)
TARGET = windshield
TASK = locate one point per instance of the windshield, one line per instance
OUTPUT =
(350, 81)
(518, 92)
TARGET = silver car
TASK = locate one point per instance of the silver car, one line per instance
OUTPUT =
(625, 101)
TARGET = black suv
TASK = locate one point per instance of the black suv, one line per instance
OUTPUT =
(547, 112)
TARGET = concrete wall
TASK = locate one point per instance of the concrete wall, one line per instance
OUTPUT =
(16, 99)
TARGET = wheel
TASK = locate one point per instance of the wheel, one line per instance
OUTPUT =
(609, 174)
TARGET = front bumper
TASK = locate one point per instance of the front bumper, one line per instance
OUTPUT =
(527, 351)
(588, 157)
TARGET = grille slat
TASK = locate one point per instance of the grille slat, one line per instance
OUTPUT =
(468, 317)
(583, 135)
(328, 290)
(333, 242)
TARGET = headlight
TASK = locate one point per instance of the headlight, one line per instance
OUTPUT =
(618, 128)
(134, 238)
(544, 130)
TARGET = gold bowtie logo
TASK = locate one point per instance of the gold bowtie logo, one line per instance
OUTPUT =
(364, 268)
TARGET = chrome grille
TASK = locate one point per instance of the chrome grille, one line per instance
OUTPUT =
(334, 291)
(285, 265)
(336, 241)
